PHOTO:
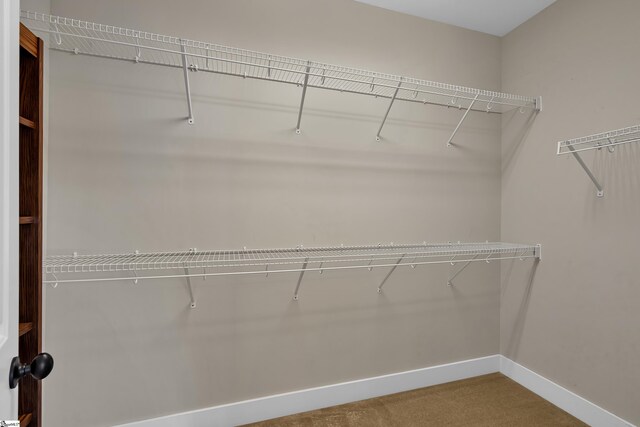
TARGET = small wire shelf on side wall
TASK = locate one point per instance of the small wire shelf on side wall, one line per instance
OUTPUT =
(606, 140)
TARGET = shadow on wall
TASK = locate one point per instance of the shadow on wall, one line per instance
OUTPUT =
(618, 173)
(254, 96)
(508, 286)
(523, 123)
(346, 115)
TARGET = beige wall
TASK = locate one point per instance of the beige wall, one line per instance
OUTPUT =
(578, 322)
(126, 172)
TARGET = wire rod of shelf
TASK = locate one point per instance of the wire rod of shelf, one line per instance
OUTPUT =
(601, 140)
(267, 261)
(87, 38)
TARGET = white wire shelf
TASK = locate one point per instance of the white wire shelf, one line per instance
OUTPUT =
(284, 259)
(600, 140)
(87, 38)
(193, 263)
(608, 140)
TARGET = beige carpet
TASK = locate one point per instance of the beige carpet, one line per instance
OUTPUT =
(489, 400)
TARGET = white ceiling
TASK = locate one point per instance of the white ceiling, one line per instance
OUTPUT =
(497, 17)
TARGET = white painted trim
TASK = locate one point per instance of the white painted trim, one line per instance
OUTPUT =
(9, 111)
(295, 402)
(570, 402)
(280, 405)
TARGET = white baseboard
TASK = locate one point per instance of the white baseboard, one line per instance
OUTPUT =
(279, 405)
(568, 401)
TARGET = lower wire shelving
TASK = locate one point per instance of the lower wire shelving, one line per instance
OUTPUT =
(194, 263)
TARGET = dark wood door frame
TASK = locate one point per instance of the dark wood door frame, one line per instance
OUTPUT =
(30, 264)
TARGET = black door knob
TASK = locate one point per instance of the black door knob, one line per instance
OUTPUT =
(40, 367)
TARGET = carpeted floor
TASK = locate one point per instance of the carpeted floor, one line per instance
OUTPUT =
(489, 400)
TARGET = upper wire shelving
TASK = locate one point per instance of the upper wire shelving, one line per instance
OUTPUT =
(193, 263)
(106, 41)
(608, 140)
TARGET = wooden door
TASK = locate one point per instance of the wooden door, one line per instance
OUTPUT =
(30, 235)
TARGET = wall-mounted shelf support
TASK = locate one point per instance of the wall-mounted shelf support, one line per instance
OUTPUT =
(304, 268)
(390, 273)
(187, 87)
(608, 140)
(464, 116)
(190, 288)
(304, 94)
(188, 276)
(450, 281)
(600, 191)
(384, 119)
(134, 279)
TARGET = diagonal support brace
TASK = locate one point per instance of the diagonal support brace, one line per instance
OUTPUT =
(390, 272)
(55, 283)
(304, 94)
(462, 120)
(449, 282)
(185, 71)
(304, 268)
(384, 119)
(600, 192)
(188, 277)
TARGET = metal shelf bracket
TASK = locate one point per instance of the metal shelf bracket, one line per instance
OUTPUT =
(304, 268)
(384, 119)
(390, 272)
(450, 281)
(54, 283)
(187, 87)
(600, 191)
(304, 94)
(449, 142)
(188, 277)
